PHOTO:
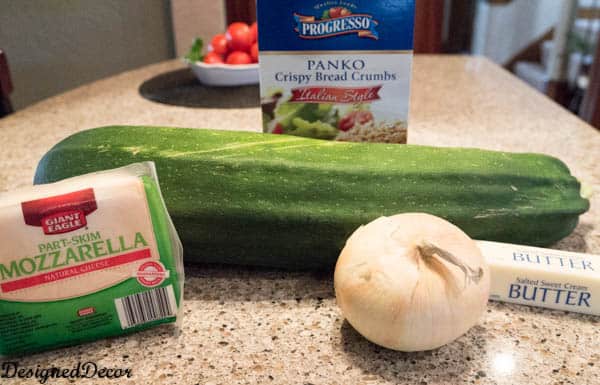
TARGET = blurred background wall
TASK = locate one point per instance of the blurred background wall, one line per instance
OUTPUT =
(56, 45)
(501, 31)
(192, 18)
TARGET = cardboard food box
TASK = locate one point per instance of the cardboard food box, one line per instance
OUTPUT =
(336, 69)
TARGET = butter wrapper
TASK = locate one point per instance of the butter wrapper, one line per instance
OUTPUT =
(552, 279)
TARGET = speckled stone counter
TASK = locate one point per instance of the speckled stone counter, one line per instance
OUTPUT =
(249, 326)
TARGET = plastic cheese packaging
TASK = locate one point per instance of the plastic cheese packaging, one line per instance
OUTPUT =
(85, 258)
(534, 276)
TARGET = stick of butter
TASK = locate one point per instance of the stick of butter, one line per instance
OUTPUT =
(85, 258)
(535, 276)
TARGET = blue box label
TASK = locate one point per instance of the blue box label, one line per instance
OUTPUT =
(291, 25)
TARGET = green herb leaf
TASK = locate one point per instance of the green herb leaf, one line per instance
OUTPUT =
(195, 52)
(316, 129)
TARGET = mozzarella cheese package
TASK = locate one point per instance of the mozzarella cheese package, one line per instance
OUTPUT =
(85, 258)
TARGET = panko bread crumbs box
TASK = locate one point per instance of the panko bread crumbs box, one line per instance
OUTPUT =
(336, 69)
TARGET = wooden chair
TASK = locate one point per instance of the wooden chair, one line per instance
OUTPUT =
(6, 86)
(429, 16)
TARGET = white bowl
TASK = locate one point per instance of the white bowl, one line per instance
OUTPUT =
(225, 75)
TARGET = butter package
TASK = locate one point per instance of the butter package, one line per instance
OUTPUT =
(534, 276)
(336, 69)
(85, 258)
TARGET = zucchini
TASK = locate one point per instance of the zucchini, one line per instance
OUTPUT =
(291, 202)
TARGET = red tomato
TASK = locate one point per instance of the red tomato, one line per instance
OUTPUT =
(239, 37)
(254, 53)
(254, 32)
(218, 45)
(278, 129)
(335, 12)
(348, 121)
(238, 57)
(213, 58)
(363, 117)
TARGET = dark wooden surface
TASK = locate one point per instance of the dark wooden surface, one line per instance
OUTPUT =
(532, 52)
(6, 86)
(590, 108)
(240, 10)
(429, 17)
(460, 27)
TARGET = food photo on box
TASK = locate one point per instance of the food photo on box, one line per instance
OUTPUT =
(300, 192)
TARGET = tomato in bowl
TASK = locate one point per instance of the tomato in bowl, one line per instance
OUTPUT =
(231, 58)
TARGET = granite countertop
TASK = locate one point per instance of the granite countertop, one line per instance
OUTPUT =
(246, 326)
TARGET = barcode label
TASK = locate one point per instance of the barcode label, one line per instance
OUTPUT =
(147, 306)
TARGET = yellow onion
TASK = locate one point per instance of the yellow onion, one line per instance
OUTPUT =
(411, 282)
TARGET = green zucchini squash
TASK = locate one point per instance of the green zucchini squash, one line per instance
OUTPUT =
(291, 202)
